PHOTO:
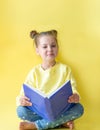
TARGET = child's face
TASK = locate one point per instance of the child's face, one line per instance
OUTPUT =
(47, 48)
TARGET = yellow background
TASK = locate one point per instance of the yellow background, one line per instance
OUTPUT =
(78, 24)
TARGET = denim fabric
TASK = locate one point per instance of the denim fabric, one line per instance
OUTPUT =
(71, 114)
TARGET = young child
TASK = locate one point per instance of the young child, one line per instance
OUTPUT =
(47, 77)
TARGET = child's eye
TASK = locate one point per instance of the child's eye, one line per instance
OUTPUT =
(53, 46)
(44, 46)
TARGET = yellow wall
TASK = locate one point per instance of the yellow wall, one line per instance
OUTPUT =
(78, 24)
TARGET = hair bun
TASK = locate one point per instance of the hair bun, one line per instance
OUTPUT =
(33, 33)
(54, 32)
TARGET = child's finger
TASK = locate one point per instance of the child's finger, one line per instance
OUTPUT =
(26, 98)
(26, 103)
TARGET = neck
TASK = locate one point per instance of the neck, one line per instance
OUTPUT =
(47, 65)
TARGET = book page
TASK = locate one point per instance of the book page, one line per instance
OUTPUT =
(50, 95)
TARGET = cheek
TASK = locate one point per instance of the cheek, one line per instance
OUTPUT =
(56, 51)
(43, 53)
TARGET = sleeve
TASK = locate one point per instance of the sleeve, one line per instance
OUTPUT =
(29, 80)
(74, 85)
(72, 79)
(18, 97)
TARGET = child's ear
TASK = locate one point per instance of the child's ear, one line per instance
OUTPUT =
(37, 51)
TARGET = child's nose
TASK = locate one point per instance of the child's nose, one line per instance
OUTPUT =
(49, 48)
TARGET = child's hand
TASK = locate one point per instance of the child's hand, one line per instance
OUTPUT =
(24, 101)
(74, 98)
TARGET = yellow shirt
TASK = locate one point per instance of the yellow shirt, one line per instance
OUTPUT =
(50, 79)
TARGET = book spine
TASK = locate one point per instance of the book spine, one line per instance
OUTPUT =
(49, 114)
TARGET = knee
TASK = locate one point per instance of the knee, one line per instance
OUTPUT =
(80, 109)
(20, 111)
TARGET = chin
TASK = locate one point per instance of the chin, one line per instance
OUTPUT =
(51, 59)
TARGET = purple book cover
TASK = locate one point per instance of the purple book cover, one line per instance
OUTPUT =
(52, 106)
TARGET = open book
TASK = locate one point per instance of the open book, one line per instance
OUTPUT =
(52, 106)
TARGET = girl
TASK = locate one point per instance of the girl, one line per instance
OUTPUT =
(47, 77)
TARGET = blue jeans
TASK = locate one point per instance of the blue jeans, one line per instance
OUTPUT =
(71, 114)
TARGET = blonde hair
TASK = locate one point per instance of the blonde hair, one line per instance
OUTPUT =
(35, 35)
